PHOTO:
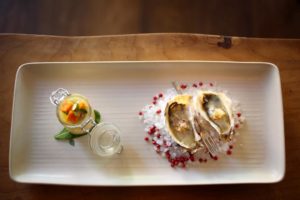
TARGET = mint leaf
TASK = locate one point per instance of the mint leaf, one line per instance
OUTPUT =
(97, 116)
(65, 134)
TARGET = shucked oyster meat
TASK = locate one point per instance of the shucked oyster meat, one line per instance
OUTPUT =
(178, 123)
(215, 108)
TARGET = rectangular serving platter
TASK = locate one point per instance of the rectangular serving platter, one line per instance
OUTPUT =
(119, 90)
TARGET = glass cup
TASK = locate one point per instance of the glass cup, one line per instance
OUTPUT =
(76, 114)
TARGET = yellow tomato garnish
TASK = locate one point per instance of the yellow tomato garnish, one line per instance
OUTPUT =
(66, 106)
(82, 105)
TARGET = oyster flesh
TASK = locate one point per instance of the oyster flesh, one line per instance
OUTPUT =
(178, 123)
(216, 109)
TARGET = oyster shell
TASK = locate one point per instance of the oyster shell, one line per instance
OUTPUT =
(215, 108)
(178, 121)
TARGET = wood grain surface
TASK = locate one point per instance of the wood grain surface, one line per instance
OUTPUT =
(18, 49)
(255, 18)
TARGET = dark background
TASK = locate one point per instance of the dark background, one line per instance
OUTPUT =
(257, 18)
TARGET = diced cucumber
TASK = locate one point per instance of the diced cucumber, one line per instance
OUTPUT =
(82, 111)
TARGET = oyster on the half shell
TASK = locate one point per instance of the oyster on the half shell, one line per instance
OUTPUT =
(215, 108)
(178, 123)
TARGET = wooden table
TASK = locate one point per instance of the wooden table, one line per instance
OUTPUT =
(18, 49)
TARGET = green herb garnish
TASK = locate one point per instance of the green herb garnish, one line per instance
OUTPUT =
(65, 134)
(97, 116)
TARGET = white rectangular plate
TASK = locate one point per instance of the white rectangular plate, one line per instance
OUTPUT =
(119, 90)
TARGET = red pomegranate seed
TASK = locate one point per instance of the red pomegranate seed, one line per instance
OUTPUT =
(239, 114)
(158, 135)
(146, 139)
(160, 95)
(200, 160)
(158, 146)
(182, 159)
(215, 157)
(236, 126)
(153, 128)
(140, 113)
(176, 162)
(230, 147)
(183, 86)
(155, 98)
(200, 83)
(154, 102)
(192, 158)
(194, 85)
(153, 142)
(158, 111)
(168, 154)
(229, 152)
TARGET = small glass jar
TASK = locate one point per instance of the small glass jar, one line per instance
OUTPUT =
(76, 114)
